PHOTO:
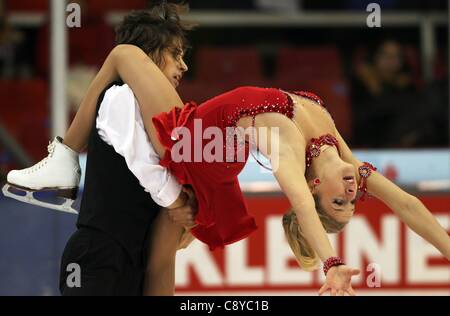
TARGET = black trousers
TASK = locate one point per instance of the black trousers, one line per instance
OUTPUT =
(105, 268)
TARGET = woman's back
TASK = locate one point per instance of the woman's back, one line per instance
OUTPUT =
(222, 215)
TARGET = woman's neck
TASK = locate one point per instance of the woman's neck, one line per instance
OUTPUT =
(328, 156)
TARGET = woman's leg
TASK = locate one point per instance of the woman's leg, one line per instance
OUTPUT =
(150, 86)
(152, 89)
(163, 244)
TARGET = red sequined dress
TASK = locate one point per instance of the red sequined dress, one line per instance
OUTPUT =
(222, 213)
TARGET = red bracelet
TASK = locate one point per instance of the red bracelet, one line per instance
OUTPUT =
(332, 262)
(365, 171)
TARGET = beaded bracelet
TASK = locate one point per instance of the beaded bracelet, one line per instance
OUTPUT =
(365, 171)
(332, 262)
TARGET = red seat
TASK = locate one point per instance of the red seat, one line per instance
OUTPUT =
(100, 6)
(95, 6)
(440, 69)
(197, 91)
(235, 66)
(300, 64)
(88, 45)
(27, 5)
(201, 91)
(25, 114)
(412, 59)
(334, 93)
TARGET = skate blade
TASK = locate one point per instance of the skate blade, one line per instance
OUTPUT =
(28, 197)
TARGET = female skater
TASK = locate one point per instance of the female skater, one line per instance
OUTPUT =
(316, 170)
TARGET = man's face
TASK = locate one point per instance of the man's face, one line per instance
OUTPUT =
(173, 65)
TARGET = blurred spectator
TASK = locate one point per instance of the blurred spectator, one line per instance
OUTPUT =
(361, 5)
(437, 113)
(385, 102)
(10, 41)
(221, 5)
(89, 45)
(429, 5)
(385, 70)
(290, 6)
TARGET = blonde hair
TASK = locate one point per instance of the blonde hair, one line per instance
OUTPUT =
(306, 256)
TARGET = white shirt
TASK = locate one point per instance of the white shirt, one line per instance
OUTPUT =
(120, 125)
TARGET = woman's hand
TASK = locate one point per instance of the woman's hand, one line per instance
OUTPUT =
(339, 281)
(179, 202)
(185, 215)
(186, 239)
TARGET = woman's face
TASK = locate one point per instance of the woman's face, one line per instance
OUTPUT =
(337, 191)
(173, 65)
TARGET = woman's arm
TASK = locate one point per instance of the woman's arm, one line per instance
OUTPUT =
(289, 169)
(409, 208)
(411, 211)
(290, 176)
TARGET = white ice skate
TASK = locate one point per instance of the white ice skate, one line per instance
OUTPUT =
(59, 172)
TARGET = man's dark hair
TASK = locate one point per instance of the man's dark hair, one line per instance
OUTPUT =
(155, 30)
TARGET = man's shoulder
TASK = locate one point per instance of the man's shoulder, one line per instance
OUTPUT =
(118, 89)
(114, 85)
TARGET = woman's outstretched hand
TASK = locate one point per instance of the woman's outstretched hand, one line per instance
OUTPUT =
(339, 281)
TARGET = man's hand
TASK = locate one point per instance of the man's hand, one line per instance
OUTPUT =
(185, 215)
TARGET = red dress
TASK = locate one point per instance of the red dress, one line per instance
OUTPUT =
(222, 213)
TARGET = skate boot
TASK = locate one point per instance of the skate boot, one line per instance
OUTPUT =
(58, 173)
